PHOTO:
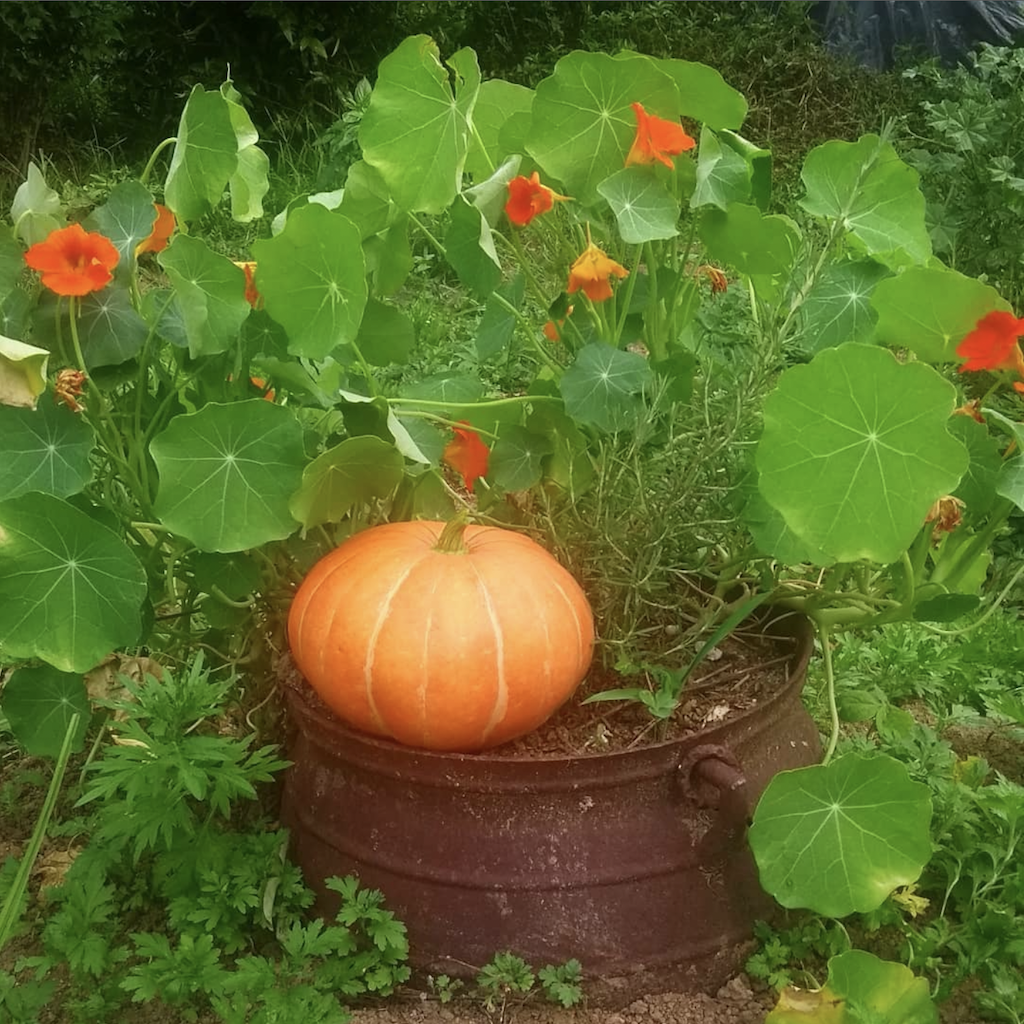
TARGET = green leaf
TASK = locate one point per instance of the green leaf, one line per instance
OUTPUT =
(210, 292)
(22, 373)
(452, 386)
(930, 311)
(227, 473)
(70, 589)
(12, 262)
(205, 156)
(126, 218)
(393, 263)
(839, 307)
(861, 989)
(704, 94)
(583, 123)
(469, 249)
(110, 330)
(515, 460)
(36, 209)
(358, 471)
(874, 989)
(748, 240)
(365, 200)
(39, 704)
(771, 534)
(496, 103)
(46, 449)
(15, 313)
(839, 838)
(977, 489)
(643, 207)
(1010, 481)
(723, 175)
(875, 195)
(386, 334)
(313, 280)
(945, 607)
(415, 131)
(855, 451)
(677, 371)
(759, 161)
(236, 575)
(491, 195)
(498, 323)
(603, 385)
(248, 183)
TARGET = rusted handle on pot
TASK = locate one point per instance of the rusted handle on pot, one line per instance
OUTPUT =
(713, 777)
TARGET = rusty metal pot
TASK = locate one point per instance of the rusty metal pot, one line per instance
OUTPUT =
(633, 861)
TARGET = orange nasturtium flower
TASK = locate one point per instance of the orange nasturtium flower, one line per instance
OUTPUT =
(527, 198)
(656, 139)
(553, 328)
(993, 345)
(163, 226)
(719, 282)
(467, 455)
(591, 272)
(73, 261)
(252, 296)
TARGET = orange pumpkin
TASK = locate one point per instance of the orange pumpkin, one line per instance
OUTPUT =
(448, 637)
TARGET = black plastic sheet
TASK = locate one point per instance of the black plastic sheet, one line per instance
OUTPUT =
(870, 31)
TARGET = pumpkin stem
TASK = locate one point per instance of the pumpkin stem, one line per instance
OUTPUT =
(451, 541)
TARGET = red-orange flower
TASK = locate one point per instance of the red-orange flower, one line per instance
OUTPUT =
(591, 272)
(73, 261)
(68, 387)
(163, 226)
(467, 455)
(992, 345)
(259, 382)
(527, 198)
(656, 139)
(252, 296)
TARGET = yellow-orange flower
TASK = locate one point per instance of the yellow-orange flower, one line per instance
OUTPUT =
(163, 227)
(252, 296)
(527, 198)
(719, 282)
(73, 261)
(591, 272)
(656, 139)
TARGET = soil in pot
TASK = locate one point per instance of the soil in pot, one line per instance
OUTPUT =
(583, 840)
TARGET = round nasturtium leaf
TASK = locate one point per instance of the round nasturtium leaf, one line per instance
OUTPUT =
(110, 330)
(583, 123)
(838, 307)
(603, 385)
(881, 990)
(44, 449)
(126, 218)
(357, 471)
(210, 292)
(496, 103)
(875, 195)
(704, 94)
(227, 473)
(205, 156)
(39, 703)
(839, 838)
(415, 131)
(22, 373)
(930, 311)
(723, 175)
(313, 280)
(746, 239)
(644, 209)
(515, 463)
(70, 589)
(855, 451)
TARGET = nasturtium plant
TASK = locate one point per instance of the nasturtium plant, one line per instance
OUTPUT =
(840, 839)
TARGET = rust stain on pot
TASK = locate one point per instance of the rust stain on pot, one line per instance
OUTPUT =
(633, 861)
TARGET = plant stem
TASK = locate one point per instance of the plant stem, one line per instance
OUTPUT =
(830, 680)
(148, 169)
(9, 910)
